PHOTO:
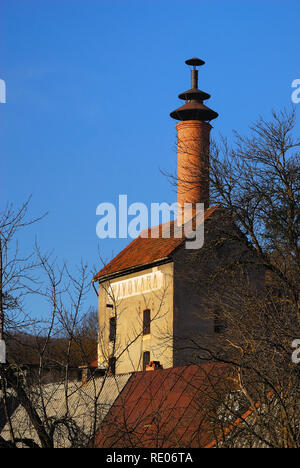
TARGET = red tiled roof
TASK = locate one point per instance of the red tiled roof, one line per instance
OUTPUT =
(163, 408)
(145, 250)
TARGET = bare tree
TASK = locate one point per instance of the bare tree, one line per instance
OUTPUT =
(247, 274)
(45, 400)
(40, 375)
(247, 277)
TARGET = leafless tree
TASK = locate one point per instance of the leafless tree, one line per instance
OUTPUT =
(247, 274)
(50, 397)
(40, 376)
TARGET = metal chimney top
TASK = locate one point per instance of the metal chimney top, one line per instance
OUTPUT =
(194, 109)
(195, 62)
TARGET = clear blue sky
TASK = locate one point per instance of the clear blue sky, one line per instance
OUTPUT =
(91, 83)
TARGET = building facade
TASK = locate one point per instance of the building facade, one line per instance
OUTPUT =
(147, 305)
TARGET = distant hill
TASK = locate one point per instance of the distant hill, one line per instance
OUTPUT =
(26, 349)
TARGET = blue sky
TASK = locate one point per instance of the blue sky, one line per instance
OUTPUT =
(91, 83)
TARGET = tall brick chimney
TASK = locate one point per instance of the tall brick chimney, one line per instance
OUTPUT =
(193, 132)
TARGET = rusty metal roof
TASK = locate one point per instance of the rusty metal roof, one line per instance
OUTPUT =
(163, 408)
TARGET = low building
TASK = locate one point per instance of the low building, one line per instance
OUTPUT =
(170, 408)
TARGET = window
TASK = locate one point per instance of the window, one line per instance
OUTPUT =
(146, 359)
(112, 329)
(112, 365)
(146, 322)
(219, 324)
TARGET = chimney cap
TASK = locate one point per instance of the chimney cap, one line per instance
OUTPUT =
(195, 62)
(194, 93)
(194, 109)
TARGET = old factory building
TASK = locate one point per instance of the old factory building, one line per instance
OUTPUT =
(148, 306)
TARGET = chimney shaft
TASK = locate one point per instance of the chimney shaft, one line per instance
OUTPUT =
(193, 162)
(193, 137)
